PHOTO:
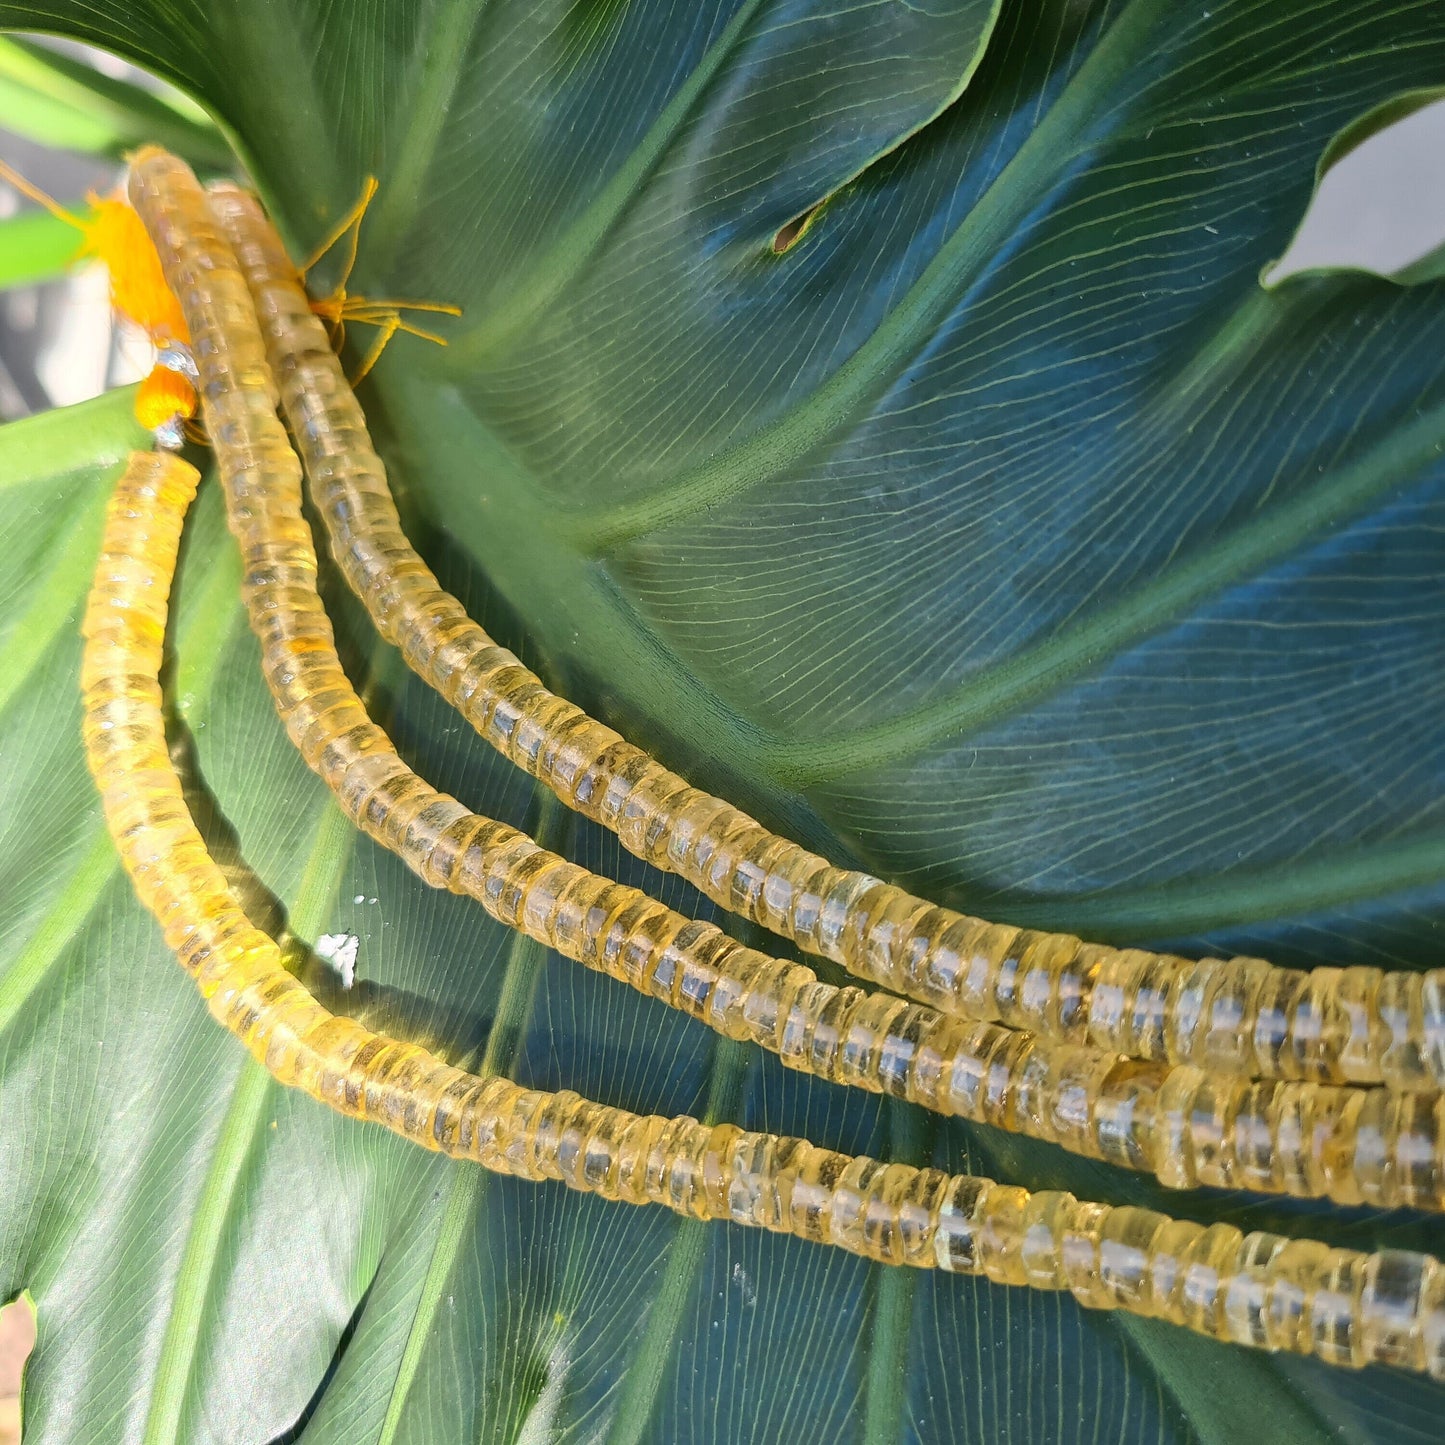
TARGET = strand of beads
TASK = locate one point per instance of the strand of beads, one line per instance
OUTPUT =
(1346, 1307)
(1240, 1016)
(1348, 1143)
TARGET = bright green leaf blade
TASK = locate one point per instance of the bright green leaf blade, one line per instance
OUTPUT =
(59, 101)
(48, 121)
(1002, 533)
(98, 433)
(35, 246)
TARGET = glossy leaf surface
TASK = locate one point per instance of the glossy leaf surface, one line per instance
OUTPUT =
(1000, 532)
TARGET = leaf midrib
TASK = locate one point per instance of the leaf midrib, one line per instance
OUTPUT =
(525, 957)
(438, 55)
(981, 237)
(1257, 894)
(539, 285)
(1007, 687)
(551, 273)
(638, 668)
(332, 845)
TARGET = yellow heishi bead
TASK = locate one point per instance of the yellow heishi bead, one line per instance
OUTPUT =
(1347, 1307)
(1238, 1016)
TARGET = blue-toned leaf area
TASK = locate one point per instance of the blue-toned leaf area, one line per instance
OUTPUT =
(876, 411)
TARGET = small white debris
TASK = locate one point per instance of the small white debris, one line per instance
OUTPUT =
(360, 898)
(744, 1285)
(339, 950)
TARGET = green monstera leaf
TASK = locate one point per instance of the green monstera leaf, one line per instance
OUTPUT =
(878, 412)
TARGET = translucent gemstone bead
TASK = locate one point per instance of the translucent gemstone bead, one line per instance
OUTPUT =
(1351, 1308)
(1397, 1285)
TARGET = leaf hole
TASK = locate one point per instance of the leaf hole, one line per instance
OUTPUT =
(1378, 205)
(791, 232)
(17, 1340)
